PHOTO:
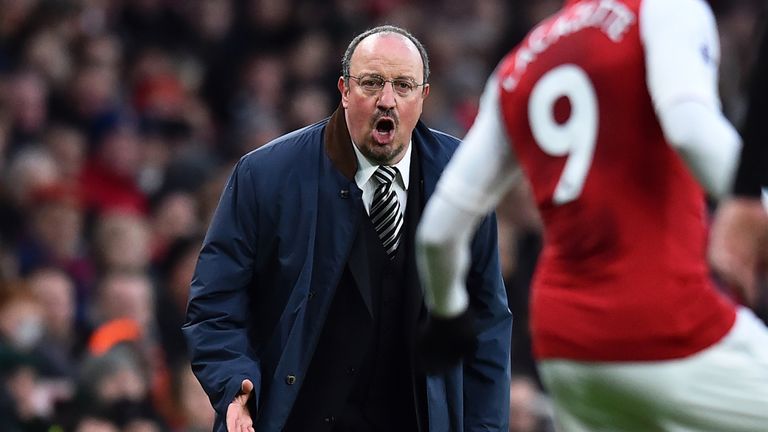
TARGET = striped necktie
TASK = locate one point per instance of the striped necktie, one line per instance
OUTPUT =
(385, 210)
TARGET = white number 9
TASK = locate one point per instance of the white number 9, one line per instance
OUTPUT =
(575, 137)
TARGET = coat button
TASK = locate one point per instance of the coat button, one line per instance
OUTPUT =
(329, 419)
(290, 379)
(351, 370)
(344, 193)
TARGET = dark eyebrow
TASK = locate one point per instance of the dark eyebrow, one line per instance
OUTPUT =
(399, 77)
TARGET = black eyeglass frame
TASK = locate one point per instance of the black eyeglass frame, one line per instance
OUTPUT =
(381, 82)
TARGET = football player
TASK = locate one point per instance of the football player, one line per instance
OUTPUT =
(610, 109)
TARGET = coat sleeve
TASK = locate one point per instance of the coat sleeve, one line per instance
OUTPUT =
(218, 309)
(487, 373)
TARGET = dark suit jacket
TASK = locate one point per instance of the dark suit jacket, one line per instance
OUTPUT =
(281, 238)
(362, 374)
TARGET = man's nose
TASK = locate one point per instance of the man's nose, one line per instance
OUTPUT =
(387, 96)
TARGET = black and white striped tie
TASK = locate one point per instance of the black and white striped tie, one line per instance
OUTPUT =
(385, 210)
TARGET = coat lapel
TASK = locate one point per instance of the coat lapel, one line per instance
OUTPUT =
(338, 144)
(338, 148)
(414, 296)
(432, 159)
(360, 269)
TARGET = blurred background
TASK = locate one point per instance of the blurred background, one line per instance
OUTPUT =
(120, 122)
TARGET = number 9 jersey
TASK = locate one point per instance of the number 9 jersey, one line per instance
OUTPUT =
(599, 103)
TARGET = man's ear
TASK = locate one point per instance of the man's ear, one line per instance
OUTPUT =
(344, 90)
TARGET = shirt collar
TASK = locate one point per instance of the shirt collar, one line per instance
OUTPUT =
(365, 168)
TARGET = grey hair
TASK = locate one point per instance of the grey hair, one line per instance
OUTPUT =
(383, 29)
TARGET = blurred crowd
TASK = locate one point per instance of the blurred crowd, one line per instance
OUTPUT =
(119, 123)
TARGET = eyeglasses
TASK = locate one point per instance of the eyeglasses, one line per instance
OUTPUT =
(373, 84)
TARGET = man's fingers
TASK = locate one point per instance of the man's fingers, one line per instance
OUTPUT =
(245, 425)
(245, 393)
(246, 387)
(738, 273)
(238, 418)
(737, 249)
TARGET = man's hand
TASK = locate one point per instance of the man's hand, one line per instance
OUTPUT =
(238, 416)
(443, 342)
(738, 243)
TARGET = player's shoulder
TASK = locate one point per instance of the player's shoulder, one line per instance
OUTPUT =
(677, 10)
(578, 23)
(664, 20)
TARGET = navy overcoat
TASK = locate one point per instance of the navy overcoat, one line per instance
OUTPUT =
(281, 235)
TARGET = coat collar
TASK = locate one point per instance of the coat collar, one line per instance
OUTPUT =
(338, 144)
(338, 147)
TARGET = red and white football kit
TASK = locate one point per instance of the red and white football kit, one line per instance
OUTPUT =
(610, 109)
(622, 274)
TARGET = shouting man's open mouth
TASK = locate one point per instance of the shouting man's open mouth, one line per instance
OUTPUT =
(384, 130)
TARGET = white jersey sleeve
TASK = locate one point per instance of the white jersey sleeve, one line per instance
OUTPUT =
(472, 184)
(682, 54)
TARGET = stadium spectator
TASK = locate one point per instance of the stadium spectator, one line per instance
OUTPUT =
(121, 243)
(62, 340)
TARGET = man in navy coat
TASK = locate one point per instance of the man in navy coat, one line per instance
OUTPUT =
(305, 303)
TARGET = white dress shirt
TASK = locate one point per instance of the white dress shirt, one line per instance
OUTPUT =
(366, 182)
